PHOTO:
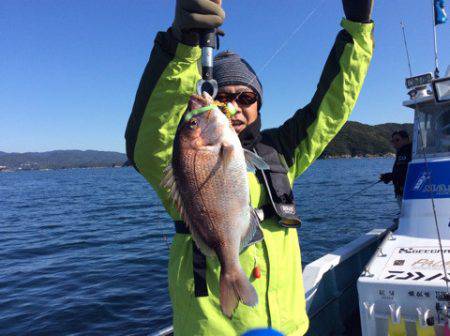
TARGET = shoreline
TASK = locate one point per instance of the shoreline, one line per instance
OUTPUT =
(362, 156)
(326, 157)
(12, 170)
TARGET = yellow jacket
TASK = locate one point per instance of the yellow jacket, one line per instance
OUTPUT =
(168, 80)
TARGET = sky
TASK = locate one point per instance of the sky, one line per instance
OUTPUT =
(69, 70)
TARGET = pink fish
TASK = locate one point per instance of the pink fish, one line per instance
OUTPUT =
(209, 184)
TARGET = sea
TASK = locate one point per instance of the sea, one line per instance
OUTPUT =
(85, 251)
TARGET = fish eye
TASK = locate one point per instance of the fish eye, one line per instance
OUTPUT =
(193, 123)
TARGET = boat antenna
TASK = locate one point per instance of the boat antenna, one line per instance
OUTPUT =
(406, 48)
(436, 58)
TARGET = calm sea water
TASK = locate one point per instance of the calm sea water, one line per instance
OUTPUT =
(82, 251)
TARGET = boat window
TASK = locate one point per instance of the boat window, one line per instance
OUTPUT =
(433, 131)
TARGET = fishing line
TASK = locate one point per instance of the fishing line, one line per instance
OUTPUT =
(355, 194)
(282, 45)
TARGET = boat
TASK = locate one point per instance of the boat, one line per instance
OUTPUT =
(392, 281)
(405, 286)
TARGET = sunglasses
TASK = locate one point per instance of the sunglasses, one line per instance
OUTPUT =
(395, 140)
(246, 98)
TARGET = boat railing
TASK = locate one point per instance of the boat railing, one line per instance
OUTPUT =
(330, 284)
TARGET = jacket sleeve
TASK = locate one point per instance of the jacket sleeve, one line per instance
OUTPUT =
(168, 80)
(303, 137)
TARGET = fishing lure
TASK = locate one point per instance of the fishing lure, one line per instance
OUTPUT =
(227, 108)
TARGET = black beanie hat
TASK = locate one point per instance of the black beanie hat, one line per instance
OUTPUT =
(231, 69)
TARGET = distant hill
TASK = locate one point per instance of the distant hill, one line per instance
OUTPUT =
(356, 139)
(61, 159)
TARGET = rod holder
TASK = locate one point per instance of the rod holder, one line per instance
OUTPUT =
(396, 313)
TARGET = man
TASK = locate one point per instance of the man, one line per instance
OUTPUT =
(402, 144)
(274, 264)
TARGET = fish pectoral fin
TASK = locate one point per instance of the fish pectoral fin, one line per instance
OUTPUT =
(254, 233)
(254, 161)
(226, 152)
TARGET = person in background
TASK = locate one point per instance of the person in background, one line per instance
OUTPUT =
(401, 142)
(273, 265)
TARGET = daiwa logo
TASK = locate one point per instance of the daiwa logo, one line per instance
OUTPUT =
(420, 183)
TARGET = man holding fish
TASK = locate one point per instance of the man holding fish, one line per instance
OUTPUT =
(235, 260)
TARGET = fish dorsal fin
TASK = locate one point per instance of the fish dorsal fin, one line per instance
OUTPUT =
(169, 182)
(254, 161)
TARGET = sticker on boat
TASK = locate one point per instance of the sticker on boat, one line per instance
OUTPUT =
(416, 264)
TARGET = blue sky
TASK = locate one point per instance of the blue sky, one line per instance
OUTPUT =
(69, 69)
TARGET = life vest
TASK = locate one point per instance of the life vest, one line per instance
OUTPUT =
(281, 205)
(281, 197)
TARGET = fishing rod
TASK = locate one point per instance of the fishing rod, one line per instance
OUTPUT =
(355, 194)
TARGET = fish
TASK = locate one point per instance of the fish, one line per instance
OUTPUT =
(208, 182)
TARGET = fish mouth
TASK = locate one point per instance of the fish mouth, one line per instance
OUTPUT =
(212, 130)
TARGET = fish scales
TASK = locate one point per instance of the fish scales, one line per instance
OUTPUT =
(213, 194)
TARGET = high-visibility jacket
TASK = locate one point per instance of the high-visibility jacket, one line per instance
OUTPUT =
(169, 79)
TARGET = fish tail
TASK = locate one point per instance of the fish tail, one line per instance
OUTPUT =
(235, 287)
